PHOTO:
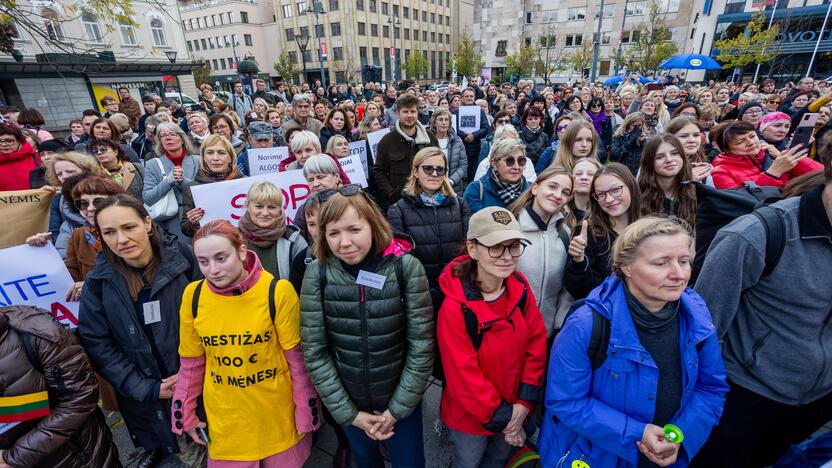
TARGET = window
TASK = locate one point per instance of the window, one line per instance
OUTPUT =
(605, 37)
(307, 55)
(222, 19)
(189, 45)
(362, 55)
(528, 41)
(433, 37)
(415, 15)
(574, 40)
(407, 34)
(396, 33)
(158, 31)
(214, 20)
(92, 28)
(528, 18)
(338, 53)
(373, 7)
(604, 69)
(374, 30)
(406, 12)
(290, 34)
(222, 63)
(128, 34)
(574, 14)
(359, 5)
(211, 43)
(340, 77)
(433, 18)
(424, 16)
(293, 56)
(247, 39)
(196, 45)
(319, 30)
(53, 25)
(232, 64)
(636, 8)
(216, 67)
(609, 10)
(204, 44)
(384, 8)
(424, 36)
(376, 60)
(287, 11)
(501, 49)
(230, 17)
(447, 22)
(198, 23)
(301, 7)
(385, 31)
(362, 29)
(243, 17)
(333, 5)
(336, 29)
(304, 31)
(672, 6)
(396, 11)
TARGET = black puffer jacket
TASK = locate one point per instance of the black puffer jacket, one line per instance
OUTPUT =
(74, 434)
(437, 231)
(626, 149)
(535, 141)
(581, 278)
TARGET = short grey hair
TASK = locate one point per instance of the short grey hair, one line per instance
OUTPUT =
(300, 97)
(504, 147)
(304, 138)
(320, 164)
(186, 142)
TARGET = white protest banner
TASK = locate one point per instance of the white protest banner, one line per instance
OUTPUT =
(469, 119)
(453, 122)
(374, 138)
(266, 160)
(40, 279)
(227, 200)
(359, 148)
(352, 168)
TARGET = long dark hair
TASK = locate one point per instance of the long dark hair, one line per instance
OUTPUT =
(135, 281)
(652, 195)
(599, 221)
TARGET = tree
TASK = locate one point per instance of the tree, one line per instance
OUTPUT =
(757, 45)
(521, 63)
(652, 46)
(467, 60)
(416, 65)
(285, 68)
(202, 75)
(549, 55)
(581, 59)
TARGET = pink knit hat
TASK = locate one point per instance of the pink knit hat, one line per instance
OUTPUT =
(770, 118)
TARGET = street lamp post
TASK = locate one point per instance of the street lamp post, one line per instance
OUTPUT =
(171, 55)
(303, 41)
(317, 9)
(394, 23)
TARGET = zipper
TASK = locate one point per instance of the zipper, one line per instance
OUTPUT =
(365, 342)
(543, 275)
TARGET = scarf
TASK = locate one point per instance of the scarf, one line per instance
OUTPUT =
(116, 173)
(420, 137)
(597, 120)
(259, 236)
(437, 199)
(199, 138)
(177, 159)
(649, 321)
(508, 192)
(227, 174)
(254, 270)
(91, 236)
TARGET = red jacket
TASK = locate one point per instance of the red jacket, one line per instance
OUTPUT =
(481, 385)
(15, 168)
(732, 170)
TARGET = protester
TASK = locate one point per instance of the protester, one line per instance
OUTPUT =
(143, 145)
(198, 129)
(113, 164)
(62, 216)
(773, 128)
(472, 141)
(658, 364)
(503, 182)
(663, 179)
(338, 146)
(335, 123)
(579, 140)
(17, 159)
(223, 125)
(560, 126)
(614, 205)
(129, 106)
(501, 119)
(493, 371)
(31, 119)
(301, 105)
(143, 272)
(628, 141)
(689, 133)
(303, 145)
(452, 147)
(542, 213)
(104, 129)
(582, 175)
(383, 365)
(532, 134)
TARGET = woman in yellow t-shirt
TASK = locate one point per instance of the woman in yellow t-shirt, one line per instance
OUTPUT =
(240, 349)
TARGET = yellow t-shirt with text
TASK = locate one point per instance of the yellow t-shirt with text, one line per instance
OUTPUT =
(248, 388)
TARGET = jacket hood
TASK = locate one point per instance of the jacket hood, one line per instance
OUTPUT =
(73, 217)
(421, 137)
(24, 152)
(400, 245)
(527, 224)
(454, 289)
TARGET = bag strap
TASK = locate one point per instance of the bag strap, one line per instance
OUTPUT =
(563, 234)
(29, 349)
(599, 340)
(322, 283)
(161, 166)
(272, 305)
(482, 190)
(195, 300)
(775, 228)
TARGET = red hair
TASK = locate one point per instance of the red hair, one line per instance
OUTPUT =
(222, 228)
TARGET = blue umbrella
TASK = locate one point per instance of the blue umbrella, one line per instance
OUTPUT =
(691, 62)
(618, 79)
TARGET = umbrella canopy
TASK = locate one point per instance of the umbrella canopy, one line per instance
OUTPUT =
(691, 62)
(618, 79)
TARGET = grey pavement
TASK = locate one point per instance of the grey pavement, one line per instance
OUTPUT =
(437, 447)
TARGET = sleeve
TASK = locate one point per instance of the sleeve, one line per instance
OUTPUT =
(420, 340)
(580, 278)
(395, 217)
(287, 319)
(381, 169)
(316, 350)
(68, 366)
(702, 411)
(463, 377)
(307, 411)
(545, 159)
(485, 148)
(188, 228)
(71, 259)
(298, 268)
(62, 242)
(531, 378)
(819, 102)
(472, 196)
(191, 378)
(190, 344)
(55, 218)
(155, 186)
(805, 166)
(569, 384)
(462, 162)
(483, 131)
(107, 357)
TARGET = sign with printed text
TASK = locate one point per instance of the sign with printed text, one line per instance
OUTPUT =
(266, 160)
(469, 119)
(374, 138)
(323, 49)
(39, 279)
(25, 213)
(359, 148)
(227, 200)
(354, 170)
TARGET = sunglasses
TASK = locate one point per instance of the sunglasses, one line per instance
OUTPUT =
(82, 204)
(100, 150)
(347, 191)
(510, 161)
(561, 128)
(504, 121)
(435, 170)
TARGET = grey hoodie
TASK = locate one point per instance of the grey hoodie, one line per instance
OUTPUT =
(774, 331)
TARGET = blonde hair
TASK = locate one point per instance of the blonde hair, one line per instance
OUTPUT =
(504, 147)
(330, 145)
(264, 192)
(304, 138)
(564, 157)
(83, 161)
(627, 245)
(527, 196)
(627, 123)
(217, 140)
(412, 186)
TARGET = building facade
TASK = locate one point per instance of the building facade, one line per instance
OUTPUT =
(65, 62)
(224, 32)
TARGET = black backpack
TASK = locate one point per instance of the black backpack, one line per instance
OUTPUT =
(717, 208)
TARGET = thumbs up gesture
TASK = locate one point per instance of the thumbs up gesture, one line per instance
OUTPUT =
(577, 245)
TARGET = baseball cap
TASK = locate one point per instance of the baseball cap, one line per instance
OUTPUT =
(260, 130)
(493, 225)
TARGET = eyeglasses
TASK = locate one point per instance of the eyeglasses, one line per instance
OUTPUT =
(82, 204)
(220, 127)
(8, 141)
(614, 193)
(503, 121)
(437, 170)
(754, 112)
(347, 191)
(516, 249)
(561, 128)
(510, 161)
(100, 150)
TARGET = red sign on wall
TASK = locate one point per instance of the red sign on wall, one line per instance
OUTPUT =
(392, 51)
(323, 49)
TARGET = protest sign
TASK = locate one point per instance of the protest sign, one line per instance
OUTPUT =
(469, 119)
(453, 122)
(40, 279)
(24, 213)
(374, 138)
(266, 160)
(227, 200)
(359, 148)
(352, 167)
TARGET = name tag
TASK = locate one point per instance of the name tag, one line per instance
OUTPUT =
(152, 312)
(372, 280)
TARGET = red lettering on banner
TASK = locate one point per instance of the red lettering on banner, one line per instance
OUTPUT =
(239, 201)
(298, 198)
(63, 314)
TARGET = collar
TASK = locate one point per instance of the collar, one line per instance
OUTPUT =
(811, 217)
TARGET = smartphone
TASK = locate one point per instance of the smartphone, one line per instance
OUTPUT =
(203, 434)
(655, 86)
(804, 130)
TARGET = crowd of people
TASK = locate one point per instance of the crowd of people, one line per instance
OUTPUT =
(537, 268)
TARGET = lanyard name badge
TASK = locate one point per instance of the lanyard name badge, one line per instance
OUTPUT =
(152, 312)
(371, 280)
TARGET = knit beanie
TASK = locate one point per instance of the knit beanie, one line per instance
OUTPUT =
(769, 119)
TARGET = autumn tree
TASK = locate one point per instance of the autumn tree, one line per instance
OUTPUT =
(416, 65)
(285, 68)
(756, 46)
(521, 63)
(652, 46)
(581, 58)
(549, 55)
(202, 75)
(467, 60)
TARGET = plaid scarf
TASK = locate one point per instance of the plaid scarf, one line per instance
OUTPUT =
(508, 192)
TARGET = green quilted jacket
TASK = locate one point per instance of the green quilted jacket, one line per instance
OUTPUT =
(368, 349)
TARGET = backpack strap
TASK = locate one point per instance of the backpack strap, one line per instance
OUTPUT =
(563, 235)
(195, 300)
(775, 228)
(283, 254)
(599, 339)
(322, 283)
(272, 305)
(31, 355)
(472, 327)
(482, 190)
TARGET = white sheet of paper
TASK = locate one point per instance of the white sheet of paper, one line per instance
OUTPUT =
(354, 170)
(266, 160)
(359, 148)
(469, 119)
(372, 280)
(374, 138)
(152, 312)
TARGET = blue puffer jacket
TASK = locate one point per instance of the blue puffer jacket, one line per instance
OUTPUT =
(598, 417)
